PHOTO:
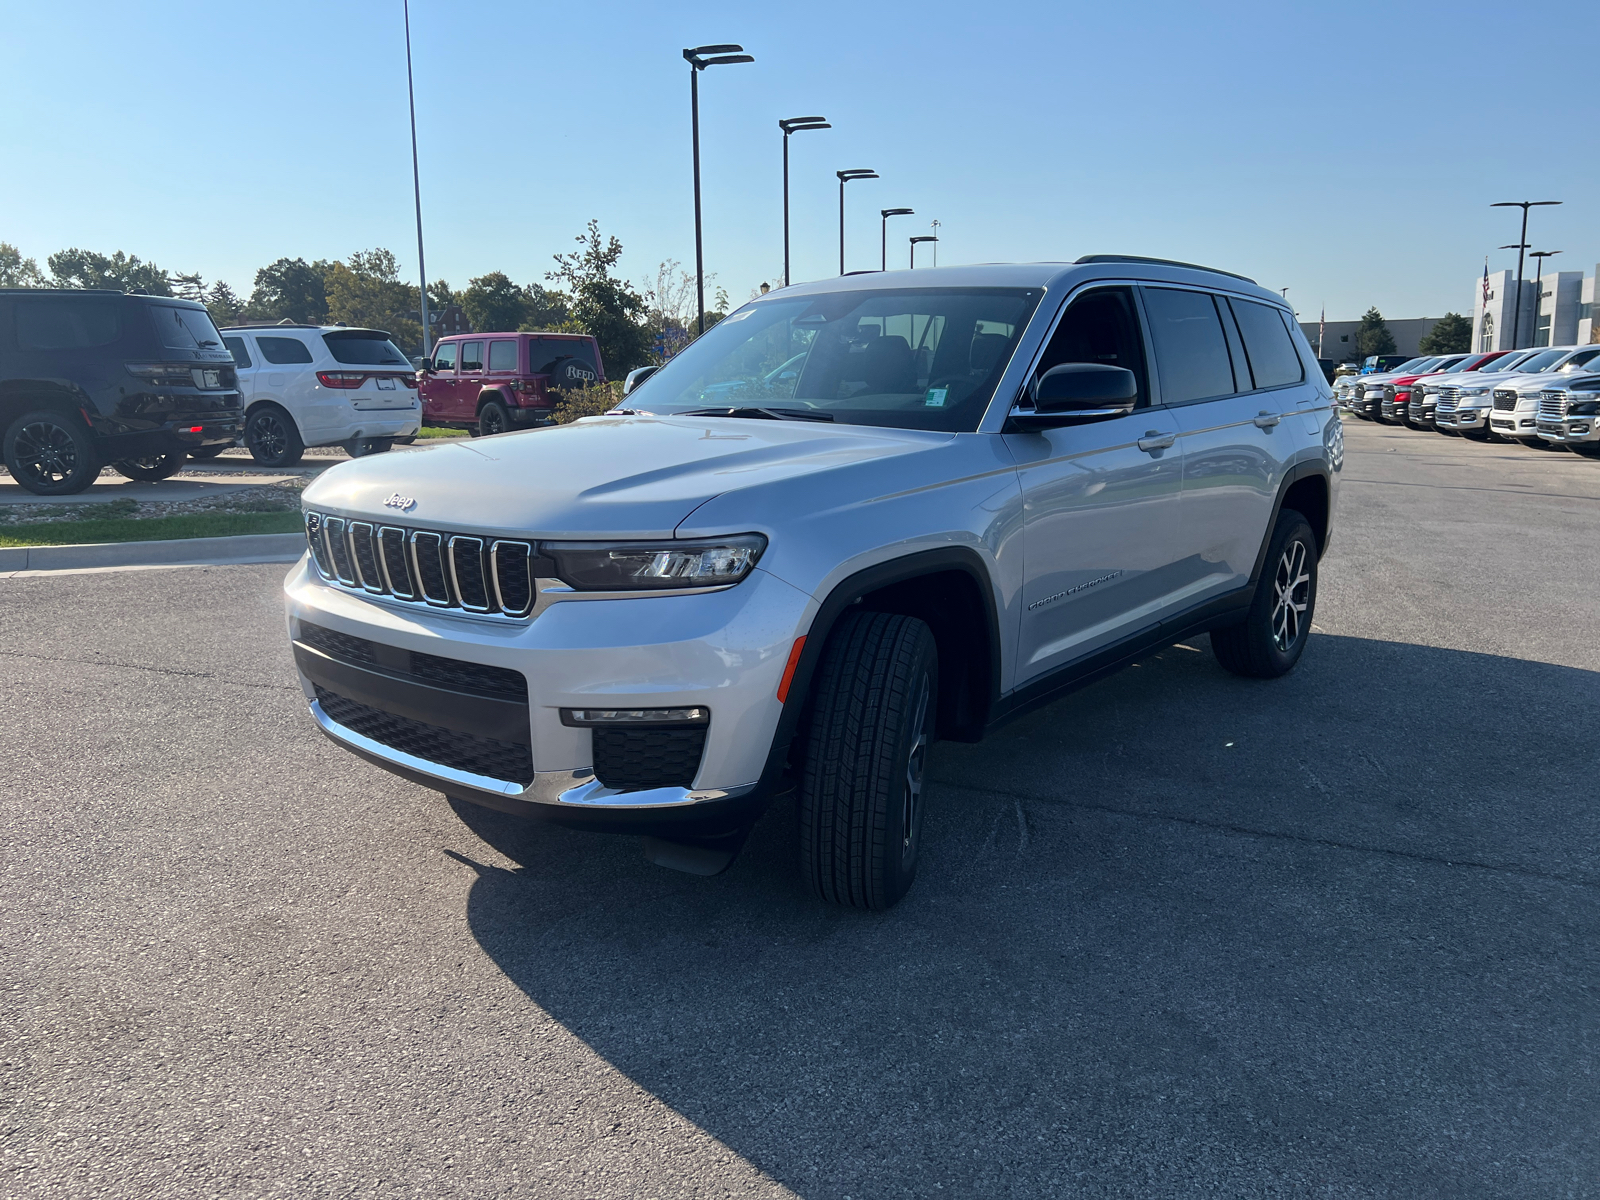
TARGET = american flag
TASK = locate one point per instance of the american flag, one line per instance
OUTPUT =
(1486, 282)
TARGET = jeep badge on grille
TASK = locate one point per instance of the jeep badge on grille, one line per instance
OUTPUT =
(403, 503)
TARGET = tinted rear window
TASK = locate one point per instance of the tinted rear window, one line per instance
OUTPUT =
(185, 328)
(68, 323)
(365, 351)
(1273, 361)
(1191, 353)
(545, 353)
(283, 350)
(237, 348)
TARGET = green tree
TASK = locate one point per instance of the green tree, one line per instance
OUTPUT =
(120, 273)
(441, 295)
(18, 272)
(291, 289)
(605, 307)
(1451, 334)
(494, 304)
(548, 311)
(224, 304)
(1373, 337)
(367, 291)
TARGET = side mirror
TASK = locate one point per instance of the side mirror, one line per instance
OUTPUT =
(1076, 392)
(425, 365)
(637, 376)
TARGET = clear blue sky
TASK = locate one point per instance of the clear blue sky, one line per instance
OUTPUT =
(1309, 146)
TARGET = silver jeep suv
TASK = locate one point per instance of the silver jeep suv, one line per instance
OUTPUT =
(968, 491)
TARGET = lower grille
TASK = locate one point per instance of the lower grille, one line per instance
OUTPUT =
(497, 683)
(461, 751)
(631, 759)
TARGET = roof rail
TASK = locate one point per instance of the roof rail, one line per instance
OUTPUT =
(270, 325)
(1158, 262)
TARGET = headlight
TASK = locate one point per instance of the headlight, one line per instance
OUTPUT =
(652, 566)
(1477, 391)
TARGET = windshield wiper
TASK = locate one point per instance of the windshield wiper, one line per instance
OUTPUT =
(772, 414)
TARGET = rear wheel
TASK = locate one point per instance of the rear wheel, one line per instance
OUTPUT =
(1273, 634)
(864, 759)
(272, 437)
(493, 419)
(51, 454)
(152, 468)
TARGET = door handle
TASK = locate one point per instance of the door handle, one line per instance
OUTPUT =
(1154, 439)
(1266, 420)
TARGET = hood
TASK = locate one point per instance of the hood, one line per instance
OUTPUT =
(623, 476)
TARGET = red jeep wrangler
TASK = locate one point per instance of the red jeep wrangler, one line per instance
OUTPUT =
(491, 382)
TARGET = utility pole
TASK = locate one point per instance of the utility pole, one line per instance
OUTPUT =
(1516, 313)
(416, 186)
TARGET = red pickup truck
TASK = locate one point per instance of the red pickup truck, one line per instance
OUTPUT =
(491, 382)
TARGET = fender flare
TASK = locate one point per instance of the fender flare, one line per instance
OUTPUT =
(485, 395)
(841, 598)
(1292, 476)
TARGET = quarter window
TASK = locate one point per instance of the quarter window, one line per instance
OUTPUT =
(67, 324)
(1191, 352)
(472, 356)
(502, 356)
(283, 350)
(240, 352)
(1272, 356)
(444, 356)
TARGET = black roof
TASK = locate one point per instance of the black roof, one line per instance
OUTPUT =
(1160, 262)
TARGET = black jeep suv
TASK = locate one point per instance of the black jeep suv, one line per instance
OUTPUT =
(94, 378)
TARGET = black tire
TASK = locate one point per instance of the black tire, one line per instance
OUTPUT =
(272, 438)
(864, 756)
(493, 419)
(1273, 635)
(152, 468)
(201, 453)
(51, 453)
(362, 447)
(570, 374)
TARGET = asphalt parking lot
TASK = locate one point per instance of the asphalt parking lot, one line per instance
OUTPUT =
(1178, 935)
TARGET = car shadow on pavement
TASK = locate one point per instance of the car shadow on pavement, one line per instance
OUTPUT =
(1179, 933)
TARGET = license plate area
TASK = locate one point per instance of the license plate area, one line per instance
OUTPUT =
(385, 385)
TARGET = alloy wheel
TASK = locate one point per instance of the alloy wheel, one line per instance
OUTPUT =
(916, 767)
(268, 435)
(46, 452)
(1291, 587)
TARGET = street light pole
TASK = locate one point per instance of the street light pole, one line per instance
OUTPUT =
(792, 125)
(1516, 313)
(886, 213)
(927, 237)
(416, 185)
(844, 178)
(1538, 292)
(698, 62)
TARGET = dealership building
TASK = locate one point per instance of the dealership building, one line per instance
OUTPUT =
(1556, 310)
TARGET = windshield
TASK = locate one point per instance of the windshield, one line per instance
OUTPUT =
(1540, 361)
(1579, 360)
(911, 358)
(1416, 364)
(185, 328)
(365, 350)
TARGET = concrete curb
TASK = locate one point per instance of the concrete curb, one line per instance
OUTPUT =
(253, 547)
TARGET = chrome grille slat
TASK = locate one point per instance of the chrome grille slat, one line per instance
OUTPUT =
(1552, 405)
(462, 571)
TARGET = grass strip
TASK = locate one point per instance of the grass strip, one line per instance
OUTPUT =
(429, 431)
(155, 529)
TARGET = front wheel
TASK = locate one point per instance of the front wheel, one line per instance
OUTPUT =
(1274, 632)
(152, 468)
(51, 454)
(864, 759)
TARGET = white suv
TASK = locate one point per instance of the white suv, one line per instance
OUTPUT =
(322, 385)
(967, 491)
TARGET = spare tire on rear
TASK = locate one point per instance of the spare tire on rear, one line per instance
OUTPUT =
(570, 373)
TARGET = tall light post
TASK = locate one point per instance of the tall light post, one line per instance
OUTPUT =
(416, 184)
(792, 125)
(886, 213)
(1524, 205)
(1538, 291)
(844, 178)
(934, 225)
(927, 237)
(697, 60)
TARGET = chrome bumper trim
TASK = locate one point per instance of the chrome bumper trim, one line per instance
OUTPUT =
(569, 789)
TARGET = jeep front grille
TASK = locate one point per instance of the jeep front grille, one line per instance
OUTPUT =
(1505, 400)
(1552, 405)
(432, 743)
(425, 566)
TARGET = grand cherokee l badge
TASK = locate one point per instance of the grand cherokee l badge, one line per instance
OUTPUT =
(403, 503)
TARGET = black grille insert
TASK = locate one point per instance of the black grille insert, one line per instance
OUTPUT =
(654, 756)
(460, 751)
(496, 683)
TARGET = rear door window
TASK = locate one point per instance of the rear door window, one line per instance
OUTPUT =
(1191, 351)
(444, 357)
(283, 351)
(1273, 361)
(63, 323)
(502, 356)
(240, 352)
(471, 357)
(185, 328)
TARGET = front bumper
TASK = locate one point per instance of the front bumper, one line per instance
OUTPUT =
(724, 650)
(1570, 430)
(1462, 418)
